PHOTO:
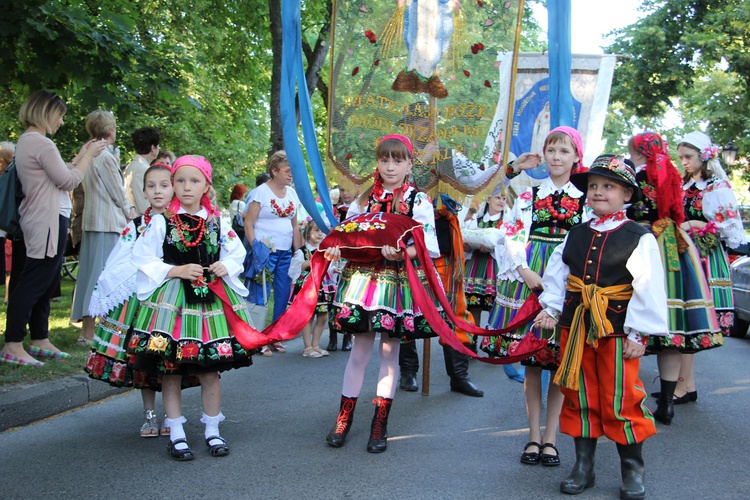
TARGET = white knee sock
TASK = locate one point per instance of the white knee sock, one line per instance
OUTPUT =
(212, 427)
(176, 431)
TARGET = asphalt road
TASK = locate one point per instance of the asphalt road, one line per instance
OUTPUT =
(445, 445)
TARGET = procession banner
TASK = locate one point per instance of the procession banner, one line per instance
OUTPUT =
(428, 69)
(590, 84)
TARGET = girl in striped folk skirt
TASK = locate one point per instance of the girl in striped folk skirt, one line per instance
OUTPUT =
(537, 223)
(374, 297)
(115, 302)
(181, 328)
(692, 319)
(480, 282)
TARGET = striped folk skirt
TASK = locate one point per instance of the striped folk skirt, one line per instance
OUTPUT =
(377, 298)
(693, 324)
(480, 280)
(176, 338)
(716, 265)
(511, 295)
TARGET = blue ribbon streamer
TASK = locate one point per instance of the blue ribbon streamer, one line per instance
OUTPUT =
(293, 75)
(558, 33)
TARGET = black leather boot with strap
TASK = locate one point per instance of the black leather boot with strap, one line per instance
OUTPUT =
(633, 472)
(582, 476)
(379, 429)
(337, 436)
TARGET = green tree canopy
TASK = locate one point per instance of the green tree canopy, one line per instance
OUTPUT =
(692, 56)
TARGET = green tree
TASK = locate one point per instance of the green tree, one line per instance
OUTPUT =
(691, 56)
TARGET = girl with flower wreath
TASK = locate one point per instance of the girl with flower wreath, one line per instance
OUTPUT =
(181, 329)
(660, 209)
(115, 302)
(299, 270)
(537, 223)
(374, 298)
(712, 218)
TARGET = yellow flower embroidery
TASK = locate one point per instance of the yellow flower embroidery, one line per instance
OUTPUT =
(157, 343)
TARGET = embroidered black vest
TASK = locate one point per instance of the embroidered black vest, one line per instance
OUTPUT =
(205, 253)
(541, 218)
(386, 207)
(645, 210)
(693, 200)
(600, 258)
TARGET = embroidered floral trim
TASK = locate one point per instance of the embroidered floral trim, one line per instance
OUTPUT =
(286, 213)
(616, 216)
(351, 227)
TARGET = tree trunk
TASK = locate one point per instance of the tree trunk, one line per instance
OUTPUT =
(277, 136)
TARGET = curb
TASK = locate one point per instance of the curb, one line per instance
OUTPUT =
(23, 404)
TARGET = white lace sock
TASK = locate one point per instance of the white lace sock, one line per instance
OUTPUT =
(212, 427)
(176, 431)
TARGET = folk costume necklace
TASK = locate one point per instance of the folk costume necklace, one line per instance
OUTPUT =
(383, 198)
(570, 205)
(183, 228)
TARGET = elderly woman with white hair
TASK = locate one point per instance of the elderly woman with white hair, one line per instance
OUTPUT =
(106, 212)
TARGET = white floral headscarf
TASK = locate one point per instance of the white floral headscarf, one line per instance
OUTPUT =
(709, 152)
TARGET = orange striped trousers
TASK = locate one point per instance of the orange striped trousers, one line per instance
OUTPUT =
(610, 398)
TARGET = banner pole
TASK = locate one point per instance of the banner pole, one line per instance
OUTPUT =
(512, 89)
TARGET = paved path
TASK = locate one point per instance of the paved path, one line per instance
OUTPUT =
(442, 446)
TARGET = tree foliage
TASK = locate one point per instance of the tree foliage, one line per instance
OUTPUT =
(201, 70)
(692, 56)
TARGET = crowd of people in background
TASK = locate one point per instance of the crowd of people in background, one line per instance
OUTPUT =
(152, 247)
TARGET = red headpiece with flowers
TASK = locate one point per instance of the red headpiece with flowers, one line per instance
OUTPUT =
(662, 174)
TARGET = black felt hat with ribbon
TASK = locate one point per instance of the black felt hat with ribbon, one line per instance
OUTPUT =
(613, 167)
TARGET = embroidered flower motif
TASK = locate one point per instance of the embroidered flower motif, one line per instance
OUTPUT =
(344, 313)
(224, 349)
(387, 322)
(157, 343)
(118, 372)
(526, 196)
(677, 340)
(188, 351)
(288, 212)
(409, 323)
(512, 228)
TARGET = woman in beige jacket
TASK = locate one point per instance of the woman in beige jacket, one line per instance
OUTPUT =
(46, 180)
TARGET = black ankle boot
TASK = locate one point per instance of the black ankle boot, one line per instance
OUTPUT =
(665, 404)
(337, 436)
(346, 344)
(408, 363)
(379, 429)
(333, 342)
(633, 472)
(582, 476)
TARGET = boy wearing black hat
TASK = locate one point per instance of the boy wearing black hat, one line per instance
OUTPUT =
(606, 284)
